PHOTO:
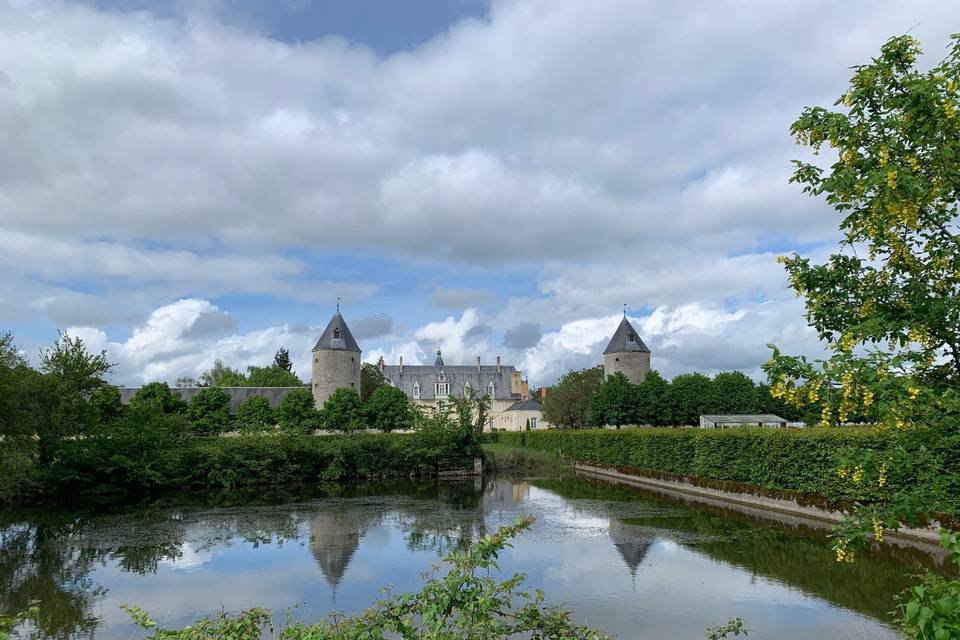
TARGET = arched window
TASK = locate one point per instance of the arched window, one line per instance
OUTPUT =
(416, 389)
(491, 389)
(466, 388)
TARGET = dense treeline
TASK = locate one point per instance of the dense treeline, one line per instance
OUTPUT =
(63, 428)
(585, 399)
(800, 460)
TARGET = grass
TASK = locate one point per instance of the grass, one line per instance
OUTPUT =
(509, 459)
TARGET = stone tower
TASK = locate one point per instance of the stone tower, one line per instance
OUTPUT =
(626, 354)
(336, 360)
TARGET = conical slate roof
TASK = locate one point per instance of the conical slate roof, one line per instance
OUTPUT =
(439, 361)
(625, 339)
(337, 336)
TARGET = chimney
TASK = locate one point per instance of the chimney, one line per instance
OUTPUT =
(401, 364)
(478, 364)
(498, 364)
(381, 363)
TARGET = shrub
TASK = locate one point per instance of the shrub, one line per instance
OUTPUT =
(388, 409)
(343, 410)
(297, 412)
(158, 397)
(209, 412)
(106, 404)
(255, 414)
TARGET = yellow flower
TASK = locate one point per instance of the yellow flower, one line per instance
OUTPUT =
(842, 472)
(825, 416)
(867, 398)
(857, 474)
(882, 480)
(949, 109)
(914, 392)
(913, 162)
(891, 179)
(878, 529)
(884, 156)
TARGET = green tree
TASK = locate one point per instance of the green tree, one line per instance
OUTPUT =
(10, 356)
(371, 379)
(158, 397)
(732, 392)
(272, 376)
(220, 375)
(343, 410)
(568, 403)
(106, 404)
(888, 303)
(75, 369)
(255, 414)
(614, 403)
(209, 412)
(388, 409)
(297, 413)
(281, 360)
(690, 395)
(652, 402)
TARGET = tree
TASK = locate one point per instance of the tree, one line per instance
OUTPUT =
(343, 410)
(388, 409)
(255, 414)
(297, 413)
(185, 381)
(690, 395)
(209, 412)
(732, 392)
(614, 403)
(281, 360)
(158, 397)
(371, 379)
(73, 367)
(10, 356)
(653, 401)
(272, 376)
(568, 403)
(888, 303)
(107, 405)
(220, 375)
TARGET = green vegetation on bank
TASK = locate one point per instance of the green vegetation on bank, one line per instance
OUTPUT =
(795, 460)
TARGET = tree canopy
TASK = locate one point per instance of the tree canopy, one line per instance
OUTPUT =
(568, 402)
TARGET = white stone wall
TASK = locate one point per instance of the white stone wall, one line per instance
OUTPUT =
(333, 369)
(633, 364)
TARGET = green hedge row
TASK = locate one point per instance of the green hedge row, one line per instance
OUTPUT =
(793, 460)
(109, 466)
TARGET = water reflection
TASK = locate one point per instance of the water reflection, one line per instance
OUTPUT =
(611, 554)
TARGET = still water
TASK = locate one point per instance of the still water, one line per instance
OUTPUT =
(628, 562)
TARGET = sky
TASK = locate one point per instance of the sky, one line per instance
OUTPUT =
(185, 181)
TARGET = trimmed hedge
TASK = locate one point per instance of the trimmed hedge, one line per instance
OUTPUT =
(228, 462)
(794, 460)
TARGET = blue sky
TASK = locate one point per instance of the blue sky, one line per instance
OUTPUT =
(203, 179)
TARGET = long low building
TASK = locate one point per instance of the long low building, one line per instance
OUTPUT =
(274, 395)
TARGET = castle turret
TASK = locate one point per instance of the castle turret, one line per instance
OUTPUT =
(336, 360)
(626, 354)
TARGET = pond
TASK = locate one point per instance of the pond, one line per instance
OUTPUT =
(633, 564)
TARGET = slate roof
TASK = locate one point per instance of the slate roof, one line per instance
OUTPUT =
(621, 341)
(274, 395)
(524, 405)
(457, 376)
(746, 418)
(329, 339)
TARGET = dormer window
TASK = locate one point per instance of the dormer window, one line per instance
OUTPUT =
(443, 389)
(466, 388)
(416, 390)
(631, 337)
(336, 333)
(491, 389)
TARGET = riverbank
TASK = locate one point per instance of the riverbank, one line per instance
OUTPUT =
(800, 465)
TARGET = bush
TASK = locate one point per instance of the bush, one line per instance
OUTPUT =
(297, 412)
(255, 414)
(343, 410)
(209, 412)
(801, 460)
(388, 409)
(158, 397)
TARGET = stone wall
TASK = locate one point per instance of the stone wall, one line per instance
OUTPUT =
(633, 364)
(237, 394)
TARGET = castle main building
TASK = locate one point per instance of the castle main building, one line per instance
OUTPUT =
(336, 364)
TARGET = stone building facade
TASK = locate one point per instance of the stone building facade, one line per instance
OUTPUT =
(626, 354)
(336, 361)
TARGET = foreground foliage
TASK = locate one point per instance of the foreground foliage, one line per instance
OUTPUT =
(466, 602)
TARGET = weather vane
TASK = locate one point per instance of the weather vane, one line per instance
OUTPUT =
(338, 303)
(624, 309)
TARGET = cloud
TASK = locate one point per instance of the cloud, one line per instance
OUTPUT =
(523, 335)
(373, 326)
(459, 298)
